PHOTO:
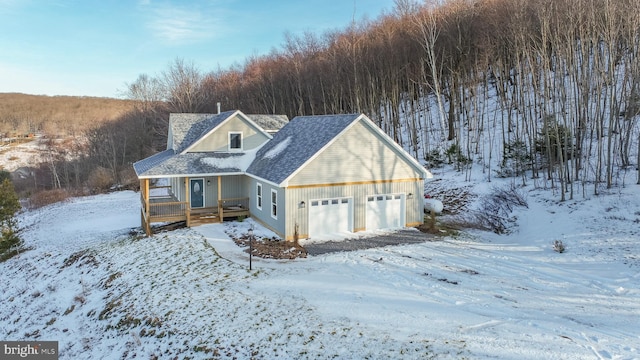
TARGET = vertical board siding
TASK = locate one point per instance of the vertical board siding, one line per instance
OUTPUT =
(219, 139)
(233, 186)
(359, 155)
(359, 194)
(211, 191)
(264, 215)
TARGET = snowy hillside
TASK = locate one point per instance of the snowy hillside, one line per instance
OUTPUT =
(104, 293)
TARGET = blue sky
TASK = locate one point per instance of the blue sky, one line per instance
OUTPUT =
(95, 47)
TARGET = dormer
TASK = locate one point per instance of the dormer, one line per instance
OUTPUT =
(228, 132)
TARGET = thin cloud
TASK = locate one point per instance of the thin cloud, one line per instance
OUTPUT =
(175, 25)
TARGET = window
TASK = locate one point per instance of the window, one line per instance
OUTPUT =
(259, 196)
(274, 204)
(235, 141)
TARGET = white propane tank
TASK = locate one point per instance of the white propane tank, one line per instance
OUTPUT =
(433, 205)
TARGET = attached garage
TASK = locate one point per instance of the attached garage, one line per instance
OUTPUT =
(385, 211)
(327, 216)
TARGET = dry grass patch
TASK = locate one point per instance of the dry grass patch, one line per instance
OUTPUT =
(48, 197)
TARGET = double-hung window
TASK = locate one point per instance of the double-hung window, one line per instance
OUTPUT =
(274, 204)
(259, 196)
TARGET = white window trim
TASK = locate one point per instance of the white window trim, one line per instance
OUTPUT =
(241, 140)
(275, 216)
(259, 195)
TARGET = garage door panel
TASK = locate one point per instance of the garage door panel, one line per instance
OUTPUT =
(330, 216)
(385, 211)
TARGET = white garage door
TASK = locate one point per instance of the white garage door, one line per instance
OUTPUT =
(385, 211)
(329, 216)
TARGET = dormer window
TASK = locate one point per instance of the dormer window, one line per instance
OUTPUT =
(235, 141)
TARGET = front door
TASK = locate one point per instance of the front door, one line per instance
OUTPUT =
(196, 194)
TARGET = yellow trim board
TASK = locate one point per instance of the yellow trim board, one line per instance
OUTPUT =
(301, 236)
(354, 183)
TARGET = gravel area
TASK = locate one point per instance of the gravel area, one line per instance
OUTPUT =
(397, 238)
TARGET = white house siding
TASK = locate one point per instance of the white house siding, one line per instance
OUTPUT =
(359, 155)
(264, 215)
(359, 193)
(219, 139)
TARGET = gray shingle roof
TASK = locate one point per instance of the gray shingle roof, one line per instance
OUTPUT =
(270, 123)
(152, 161)
(305, 136)
(166, 163)
(188, 128)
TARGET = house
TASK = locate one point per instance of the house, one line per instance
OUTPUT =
(309, 177)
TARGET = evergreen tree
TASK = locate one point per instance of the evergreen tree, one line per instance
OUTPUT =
(10, 242)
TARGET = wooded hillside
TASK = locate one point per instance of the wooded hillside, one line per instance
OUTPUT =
(56, 115)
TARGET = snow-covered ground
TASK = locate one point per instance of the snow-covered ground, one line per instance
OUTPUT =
(14, 156)
(105, 293)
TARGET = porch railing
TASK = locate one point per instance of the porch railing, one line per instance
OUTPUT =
(233, 207)
(168, 209)
(235, 203)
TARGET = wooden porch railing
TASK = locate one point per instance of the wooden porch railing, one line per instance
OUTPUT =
(168, 209)
(233, 207)
(164, 207)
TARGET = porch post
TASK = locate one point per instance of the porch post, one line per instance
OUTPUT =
(187, 192)
(220, 208)
(147, 215)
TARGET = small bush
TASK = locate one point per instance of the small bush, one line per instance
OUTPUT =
(10, 242)
(129, 179)
(100, 179)
(47, 197)
(516, 158)
(10, 245)
(558, 246)
(496, 208)
(434, 158)
(455, 156)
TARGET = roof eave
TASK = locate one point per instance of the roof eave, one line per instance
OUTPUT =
(169, 176)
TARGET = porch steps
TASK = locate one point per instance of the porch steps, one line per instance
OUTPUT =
(204, 219)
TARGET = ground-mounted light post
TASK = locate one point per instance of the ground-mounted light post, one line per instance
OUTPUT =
(250, 246)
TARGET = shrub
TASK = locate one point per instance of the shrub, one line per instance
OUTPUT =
(10, 242)
(47, 197)
(455, 156)
(558, 246)
(434, 158)
(129, 179)
(496, 208)
(100, 179)
(515, 159)
(555, 139)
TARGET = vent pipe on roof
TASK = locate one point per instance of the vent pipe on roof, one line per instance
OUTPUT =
(218, 107)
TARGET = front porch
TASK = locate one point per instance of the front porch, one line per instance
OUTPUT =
(161, 204)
